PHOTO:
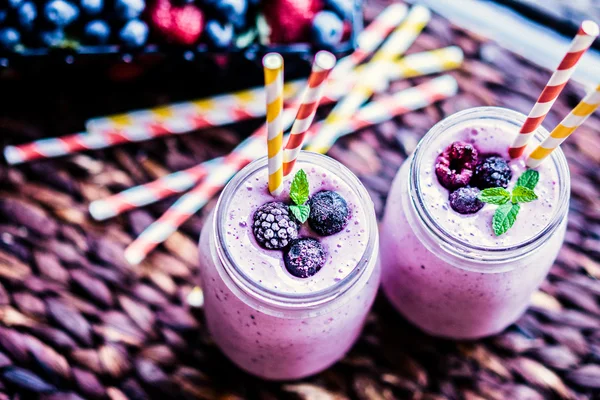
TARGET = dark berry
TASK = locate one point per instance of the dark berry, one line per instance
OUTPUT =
(134, 33)
(9, 38)
(14, 4)
(327, 29)
(343, 8)
(129, 9)
(232, 11)
(464, 200)
(60, 13)
(274, 225)
(493, 171)
(454, 166)
(92, 7)
(218, 35)
(26, 14)
(328, 213)
(54, 38)
(304, 258)
(96, 32)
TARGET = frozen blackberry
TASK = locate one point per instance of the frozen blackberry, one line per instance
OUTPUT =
(304, 258)
(493, 171)
(328, 213)
(464, 200)
(274, 226)
(454, 166)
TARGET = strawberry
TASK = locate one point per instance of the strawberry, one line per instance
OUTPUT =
(181, 25)
(290, 20)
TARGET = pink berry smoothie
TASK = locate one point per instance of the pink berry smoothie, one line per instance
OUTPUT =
(448, 273)
(267, 321)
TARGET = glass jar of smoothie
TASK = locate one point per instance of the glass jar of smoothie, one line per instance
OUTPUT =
(267, 321)
(449, 273)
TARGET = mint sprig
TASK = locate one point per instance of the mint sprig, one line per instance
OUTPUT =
(506, 214)
(299, 193)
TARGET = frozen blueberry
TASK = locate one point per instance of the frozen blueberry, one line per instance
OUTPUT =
(92, 7)
(218, 35)
(329, 213)
(304, 258)
(9, 38)
(134, 33)
(26, 14)
(493, 171)
(129, 9)
(96, 32)
(454, 166)
(327, 29)
(464, 200)
(60, 13)
(274, 225)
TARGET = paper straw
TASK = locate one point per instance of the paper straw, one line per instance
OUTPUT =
(410, 66)
(211, 112)
(322, 65)
(249, 150)
(371, 37)
(588, 31)
(369, 80)
(142, 195)
(567, 126)
(273, 68)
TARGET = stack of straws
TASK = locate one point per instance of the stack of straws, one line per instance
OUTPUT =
(352, 84)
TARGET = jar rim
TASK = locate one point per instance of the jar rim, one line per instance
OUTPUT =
(286, 300)
(457, 246)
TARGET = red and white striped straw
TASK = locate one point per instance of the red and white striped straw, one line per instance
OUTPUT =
(142, 195)
(323, 63)
(249, 150)
(588, 32)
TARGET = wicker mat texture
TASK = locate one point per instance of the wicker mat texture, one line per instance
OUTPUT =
(77, 322)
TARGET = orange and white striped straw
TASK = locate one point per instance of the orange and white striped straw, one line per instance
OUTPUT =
(369, 81)
(322, 65)
(588, 32)
(567, 126)
(273, 68)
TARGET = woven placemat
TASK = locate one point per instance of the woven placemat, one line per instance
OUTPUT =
(78, 322)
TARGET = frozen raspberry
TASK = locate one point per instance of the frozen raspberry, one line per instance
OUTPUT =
(304, 258)
(328, 213)
(493, 171)
(274, 226)
(464, 200)
(454, 166)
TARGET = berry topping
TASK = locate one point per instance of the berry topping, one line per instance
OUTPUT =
(493, 171)
(304, 258)
(328, 213)
(274, 226)
(454, 166)
(464, 200)
(327, 30)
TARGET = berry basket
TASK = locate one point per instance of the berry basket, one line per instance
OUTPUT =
(197, 33)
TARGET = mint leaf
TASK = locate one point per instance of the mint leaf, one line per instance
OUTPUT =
(301, 212)
(529, 179)
(522, 194)
(299, 189)
(505, 217)
(495, 195)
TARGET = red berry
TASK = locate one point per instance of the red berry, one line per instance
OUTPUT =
(182, 25)
(454, 166)
(290, 20)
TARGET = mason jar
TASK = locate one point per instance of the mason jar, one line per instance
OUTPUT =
(445, 282)
(274, 333)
